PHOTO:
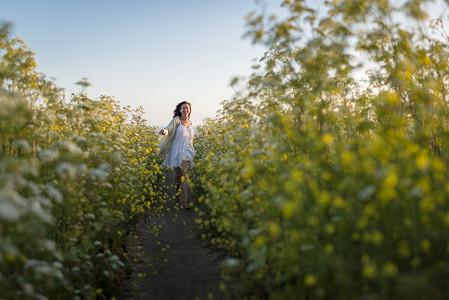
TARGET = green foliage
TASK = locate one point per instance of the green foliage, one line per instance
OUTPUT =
(74, 175)
(324, 183)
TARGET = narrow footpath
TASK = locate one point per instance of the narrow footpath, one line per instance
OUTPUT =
(175, 263)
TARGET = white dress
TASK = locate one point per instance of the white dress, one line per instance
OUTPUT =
(182, 148)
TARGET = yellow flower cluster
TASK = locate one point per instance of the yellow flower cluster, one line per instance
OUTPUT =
(321, 187)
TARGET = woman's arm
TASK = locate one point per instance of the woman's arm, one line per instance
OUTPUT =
(170, 127)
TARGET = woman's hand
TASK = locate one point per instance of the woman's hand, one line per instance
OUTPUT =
(162, 132)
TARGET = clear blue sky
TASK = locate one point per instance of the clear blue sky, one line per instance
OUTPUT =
(150, 53)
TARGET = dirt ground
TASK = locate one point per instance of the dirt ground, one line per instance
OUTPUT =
(177, 263)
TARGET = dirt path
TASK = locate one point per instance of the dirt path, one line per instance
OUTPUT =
(178, 263)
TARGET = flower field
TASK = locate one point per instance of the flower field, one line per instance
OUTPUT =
(329, 178)
(326, 178)
(74, 174)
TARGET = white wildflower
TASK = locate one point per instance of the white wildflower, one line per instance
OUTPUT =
(70, 147)
(54, 193)
(66, 169)
(23, 145)
(48, 155)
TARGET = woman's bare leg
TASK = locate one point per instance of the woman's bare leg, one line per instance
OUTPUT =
(178, 176)
(185, 167)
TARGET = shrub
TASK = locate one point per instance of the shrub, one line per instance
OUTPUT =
(324, 185)
(75, 174)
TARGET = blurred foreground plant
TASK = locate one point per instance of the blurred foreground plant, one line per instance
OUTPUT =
(74, 175)
(329, 178)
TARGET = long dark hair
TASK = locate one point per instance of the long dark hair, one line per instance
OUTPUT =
(177, 111)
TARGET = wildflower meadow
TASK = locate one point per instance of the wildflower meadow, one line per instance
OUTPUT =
(74, 174)
(326, 177)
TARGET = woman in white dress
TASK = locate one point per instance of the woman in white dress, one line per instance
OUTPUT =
(178, 141)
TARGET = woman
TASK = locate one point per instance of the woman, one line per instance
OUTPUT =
(178, 142)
